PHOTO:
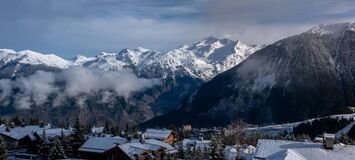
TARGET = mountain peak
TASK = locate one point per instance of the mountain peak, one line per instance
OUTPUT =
(332, 29)
(141, 49)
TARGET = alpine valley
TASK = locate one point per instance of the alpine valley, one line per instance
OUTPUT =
(175, 74)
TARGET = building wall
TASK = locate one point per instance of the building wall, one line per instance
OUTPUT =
(170, 139)
(10, 142)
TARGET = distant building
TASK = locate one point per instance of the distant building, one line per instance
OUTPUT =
(186, 128)
(167, 136)
(281, 149)
(97, 130)
(24, 135)
(20, 136)
(328, 140)
(352, 109)
(202, 145)
(149, 148)
(104, 148)
(232, 153)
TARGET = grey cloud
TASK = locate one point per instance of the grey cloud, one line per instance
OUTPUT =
(267, 21)
(67, 27)
(87, 81)
(39, 86)
(75, 83)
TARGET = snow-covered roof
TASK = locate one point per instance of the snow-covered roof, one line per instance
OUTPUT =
(157, 134)
(133, 148)
(292, 150)
(21, 132)
(54, 132)
(328, 135)
(101, 144)
(168, 147)
(204, 144)
(245, 152)
(97, 129)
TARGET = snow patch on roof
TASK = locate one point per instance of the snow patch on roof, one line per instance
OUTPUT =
(157, 134)
(101, 144)
(280, 149)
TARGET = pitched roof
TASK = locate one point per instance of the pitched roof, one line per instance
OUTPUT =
(54, 132)
(168, 147)
(280, 149)
(101, 144)
(21, 132)
(204, 144)
(157, 134)
(149, 145)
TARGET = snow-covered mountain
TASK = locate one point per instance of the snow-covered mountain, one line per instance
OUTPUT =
(296, 78)
(27, 62)
(201, 60)
(32, 58)
(180, 70)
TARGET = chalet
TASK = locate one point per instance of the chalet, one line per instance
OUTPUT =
(281, 149)
(25, 135)
(105, 148)
(202, 145)
(167, 136)
(21, 136)
(97, 130)
(239, 152)
(328, 140)
(150, 148)
(186, 128)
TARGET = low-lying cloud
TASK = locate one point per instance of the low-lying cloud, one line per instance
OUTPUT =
(72, 83)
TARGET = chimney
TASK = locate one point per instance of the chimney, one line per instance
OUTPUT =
(12, 124)
(328, 140)
(142, 138)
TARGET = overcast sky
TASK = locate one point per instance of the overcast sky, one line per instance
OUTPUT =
(69, 27)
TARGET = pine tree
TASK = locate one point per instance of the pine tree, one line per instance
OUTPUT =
(181, 152)
(351, 132)
(216, 148)
(79, 133)
(106, 128)
(44, 147)
(3, 151)
(17, 120)
(57, 151)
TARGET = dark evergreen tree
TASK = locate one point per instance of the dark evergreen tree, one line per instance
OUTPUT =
(44, 148)
(181, 152)
(79, 133)
(16, 120)
(57, 151)
(216, 148)
(351, 133)
(106, 128)
(3, 150)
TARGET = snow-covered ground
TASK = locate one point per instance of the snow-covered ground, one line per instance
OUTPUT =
(274, 130)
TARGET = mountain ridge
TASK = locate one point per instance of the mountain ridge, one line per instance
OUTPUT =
(180, 71)
(302, 76)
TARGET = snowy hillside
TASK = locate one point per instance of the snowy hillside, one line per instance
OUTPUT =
(201, 60)
(8, 56)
